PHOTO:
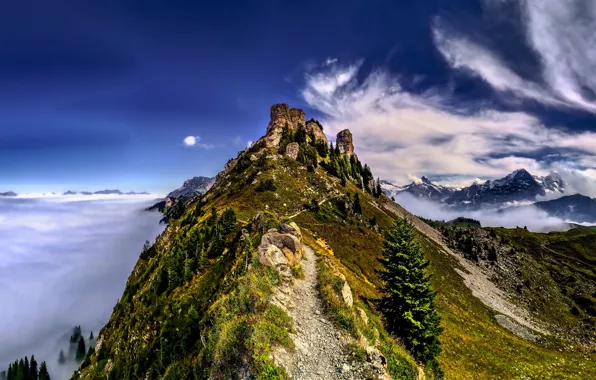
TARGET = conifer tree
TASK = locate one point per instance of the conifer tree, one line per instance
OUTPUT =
(91, 336)
(357, 206)
(81, 350)
(228, 221)
(26, 368)
(43, 372)
(61, 358)
(20, 375)
(33, 373)
(409, 302)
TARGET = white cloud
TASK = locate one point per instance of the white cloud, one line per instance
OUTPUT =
(191, 140)
(70, 261)
(402, 134)
(561, 33)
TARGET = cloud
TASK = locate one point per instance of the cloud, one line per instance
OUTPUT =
(402, 134)
(536, 220)
(69, 260)
(559, 33)
(193, 141)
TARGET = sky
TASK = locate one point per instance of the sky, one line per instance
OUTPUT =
(140, 95)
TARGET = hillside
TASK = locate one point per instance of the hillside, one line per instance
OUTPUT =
(273, 274)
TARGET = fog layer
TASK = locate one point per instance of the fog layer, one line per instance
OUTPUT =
(64, 262)
(536, 220)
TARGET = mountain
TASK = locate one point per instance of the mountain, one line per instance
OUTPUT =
(274, 273)
(517, 187)
(424, 189)
(577, 208)
(198, 185)
(109, 192)
(8, 194)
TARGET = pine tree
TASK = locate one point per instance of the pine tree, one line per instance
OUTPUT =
(81, 350)
(61, 358)
(33, 373)
(91, 336)
(357, 207)
(228, 221)
(409, 301)
(43, 372)
(26, 368)
(20, 370)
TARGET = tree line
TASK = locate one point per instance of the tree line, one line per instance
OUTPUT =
(24, 369)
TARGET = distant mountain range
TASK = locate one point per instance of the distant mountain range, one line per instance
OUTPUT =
(70, 192)
(520, 188)
(517, 187)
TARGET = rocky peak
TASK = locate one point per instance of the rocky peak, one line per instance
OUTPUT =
(425, 180)
(315, 129)
(281, 116)
(344, 142)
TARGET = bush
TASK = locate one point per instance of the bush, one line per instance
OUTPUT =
(266, 185)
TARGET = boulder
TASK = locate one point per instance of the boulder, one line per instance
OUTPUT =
(346, 294)
(292, 150)
(344, 142)
(281, 249)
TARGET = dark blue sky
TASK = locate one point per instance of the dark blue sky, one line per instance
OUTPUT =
(102, 94)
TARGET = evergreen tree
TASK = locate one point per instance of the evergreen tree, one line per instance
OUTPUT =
(189, 268)
(3, 375)
(379, 189)
(20, 370)
(43, 372)
(228, 221)
(357, 207)
(300, 135)
(212, 221)
(33, 373)
(409, 302)
(26, 368)
(61, 358)
(81, 350)
(91, 336)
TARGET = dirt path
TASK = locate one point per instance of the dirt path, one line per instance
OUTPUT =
(320, 204)
(319, 350)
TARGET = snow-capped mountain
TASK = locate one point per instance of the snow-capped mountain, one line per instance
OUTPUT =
(516, 188)
(424, 189)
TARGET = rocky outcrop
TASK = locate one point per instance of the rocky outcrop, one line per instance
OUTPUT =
(314, 128)
(281, 249)
(292, 150)
(344, 142)
(282, 116)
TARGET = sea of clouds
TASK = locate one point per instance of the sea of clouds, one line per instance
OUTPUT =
(64, 261)
(528, 216)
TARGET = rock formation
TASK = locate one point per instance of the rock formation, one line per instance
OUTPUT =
(344, 142)
(281, 116)
(315, 129)
(281, 250)
(292, 150)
